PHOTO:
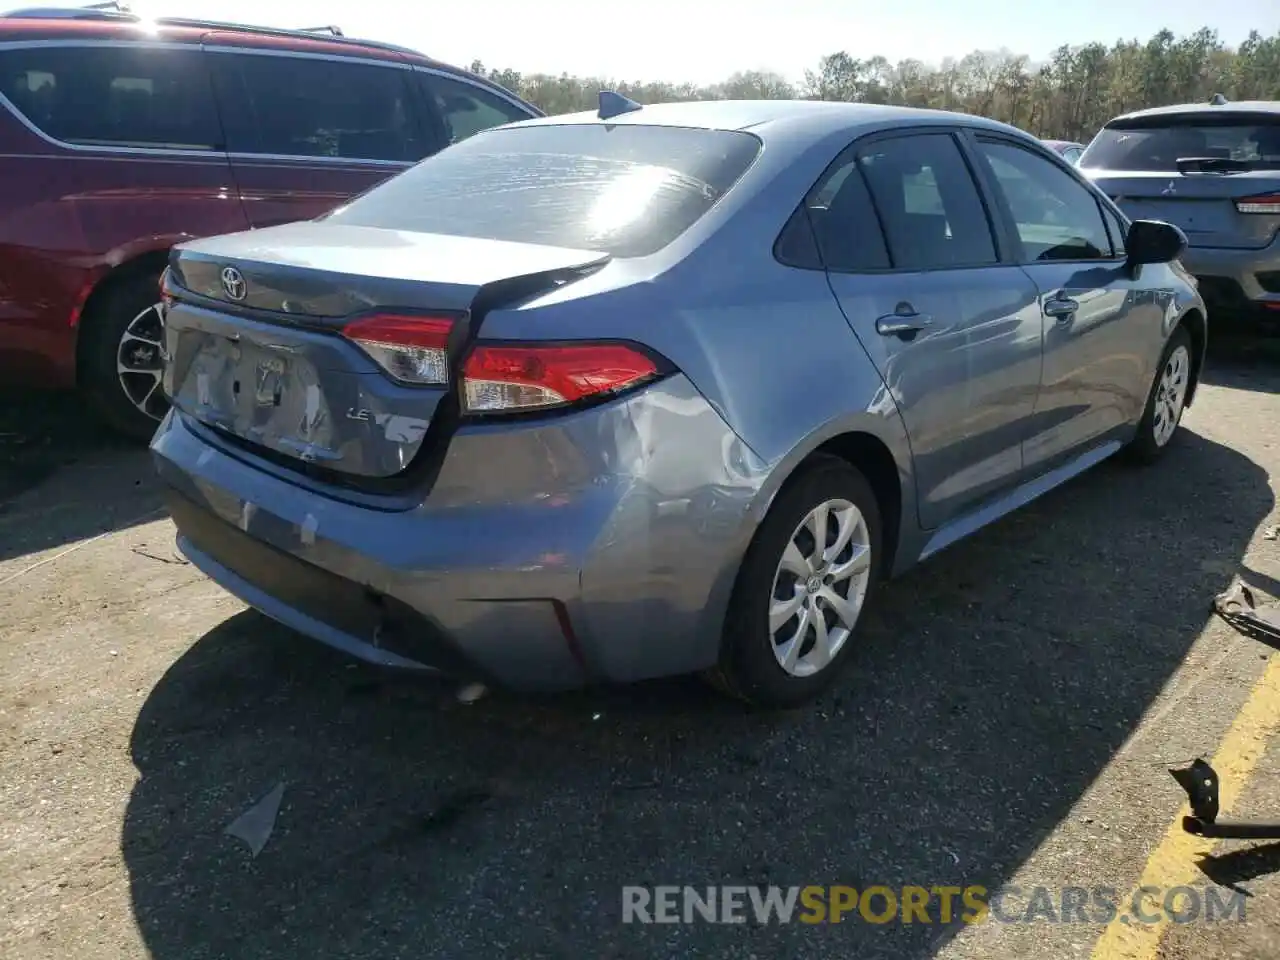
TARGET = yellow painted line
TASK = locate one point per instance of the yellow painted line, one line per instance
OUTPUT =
(1173, 862)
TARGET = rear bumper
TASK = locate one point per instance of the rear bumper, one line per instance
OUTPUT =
(599, 546)
(1237, 279)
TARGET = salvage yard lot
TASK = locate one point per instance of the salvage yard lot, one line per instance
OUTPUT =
(1009, 720)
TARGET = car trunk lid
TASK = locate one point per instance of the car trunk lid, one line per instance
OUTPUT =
(255, 347)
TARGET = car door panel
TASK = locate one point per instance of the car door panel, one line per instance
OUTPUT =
(954, 333)
(299, 149)
(1097, 321)
(1095, 359)
(965, 385)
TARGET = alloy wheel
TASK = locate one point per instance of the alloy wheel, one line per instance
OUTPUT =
(138, 361)
(819, 587)
(1171, 394)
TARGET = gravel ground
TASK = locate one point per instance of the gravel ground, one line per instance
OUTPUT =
(1009, 720)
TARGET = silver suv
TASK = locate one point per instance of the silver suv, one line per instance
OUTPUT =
(1214, 170)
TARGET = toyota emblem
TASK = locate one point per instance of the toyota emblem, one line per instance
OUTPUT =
(233, 283)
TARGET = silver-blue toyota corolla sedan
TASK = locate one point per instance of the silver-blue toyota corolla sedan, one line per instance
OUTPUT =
(659, 390)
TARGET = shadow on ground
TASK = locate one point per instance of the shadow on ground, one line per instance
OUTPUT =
(1240, 866)
(994, 684)
(1243, 362)
(63, 476)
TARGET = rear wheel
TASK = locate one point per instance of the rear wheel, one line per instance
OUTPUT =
(1166, 401)
(802, 588)
(121, 356)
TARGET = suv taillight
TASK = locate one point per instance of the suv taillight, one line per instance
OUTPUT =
(1261, 203)
(411, 349)
(510, 378)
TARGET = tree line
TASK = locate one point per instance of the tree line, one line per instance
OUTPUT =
(1067, 97)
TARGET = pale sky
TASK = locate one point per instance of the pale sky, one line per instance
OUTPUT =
(704, 41)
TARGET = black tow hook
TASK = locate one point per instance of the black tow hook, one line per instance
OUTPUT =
(1201, 783)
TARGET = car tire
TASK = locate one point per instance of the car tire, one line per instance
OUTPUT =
(1165, 403)
(120, 356)
(786, 667)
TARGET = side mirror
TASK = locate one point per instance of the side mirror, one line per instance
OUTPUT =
(1154, 241)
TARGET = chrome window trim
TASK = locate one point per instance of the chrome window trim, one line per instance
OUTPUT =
(143, 41)
(224, 48)
(288, 158)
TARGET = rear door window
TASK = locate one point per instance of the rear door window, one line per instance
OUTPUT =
(465, 109)
(118, 96)
(628, 190)
(1156, 144)
(292, 106)
(927, 200)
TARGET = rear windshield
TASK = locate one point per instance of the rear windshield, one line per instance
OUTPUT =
(627, 190)
(1158, 143)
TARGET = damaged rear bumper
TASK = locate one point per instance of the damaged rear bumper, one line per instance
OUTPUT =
(548, 554)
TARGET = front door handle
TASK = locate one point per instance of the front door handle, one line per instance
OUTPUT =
(900, 324)
(1061, 307)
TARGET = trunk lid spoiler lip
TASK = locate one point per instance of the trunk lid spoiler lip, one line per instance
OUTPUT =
(333, 272)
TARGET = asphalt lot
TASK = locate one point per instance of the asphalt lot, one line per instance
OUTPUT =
(1009, 721)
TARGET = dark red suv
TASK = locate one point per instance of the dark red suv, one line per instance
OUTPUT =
(119, 139)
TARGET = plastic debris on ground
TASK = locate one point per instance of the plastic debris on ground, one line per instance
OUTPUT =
(254, 826)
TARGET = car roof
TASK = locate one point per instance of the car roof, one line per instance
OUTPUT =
(51, 28)
(1266, 107)
(810, 119)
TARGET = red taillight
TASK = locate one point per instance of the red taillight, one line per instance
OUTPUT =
(412, 349)
(500, 378)
(1262, 203)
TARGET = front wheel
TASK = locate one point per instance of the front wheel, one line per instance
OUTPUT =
(1166, 402)
(121, 356)
(802, 588)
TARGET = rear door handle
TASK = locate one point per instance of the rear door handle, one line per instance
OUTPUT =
(901, 324)
(1061, 307)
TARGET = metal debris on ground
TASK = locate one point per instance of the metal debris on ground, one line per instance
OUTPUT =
(254, 826)
(1200, 781)
(174, 559)
(1239, 608)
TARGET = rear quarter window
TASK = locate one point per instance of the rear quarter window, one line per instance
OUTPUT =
(465, 109)
(627, 190)
(1157, 143)
(122, 96)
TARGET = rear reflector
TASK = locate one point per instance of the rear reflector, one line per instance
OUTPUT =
(510, 379)
(411, 349)
(1262, 203)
